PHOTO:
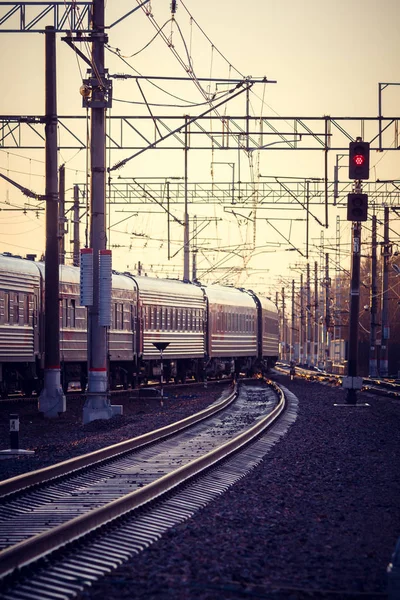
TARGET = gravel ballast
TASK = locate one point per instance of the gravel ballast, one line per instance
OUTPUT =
(318, 518)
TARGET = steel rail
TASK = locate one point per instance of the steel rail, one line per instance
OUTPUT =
(20, 482)
(37, 546)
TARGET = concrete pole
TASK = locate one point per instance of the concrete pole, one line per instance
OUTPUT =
(308, 317)
(327, 310)
(316, 314)
(384, 363)
(186, 250)
(61, 215)
(292, 340)
(284, 352)
(97, 405)
(76, 239)
(373, 363)
(354, 311)
(51, 399)
(301, 334)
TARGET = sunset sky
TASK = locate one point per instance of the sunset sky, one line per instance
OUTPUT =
(327, 59)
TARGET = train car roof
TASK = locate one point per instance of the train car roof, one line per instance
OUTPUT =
(230, 296)
(267, 304)
(17, 264)
(170, 286)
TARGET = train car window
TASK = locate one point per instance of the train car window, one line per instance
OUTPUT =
(229, 321)
(16, 309)
(7, 307)
(158, 317)
(120, 316)
(65, 312)
(146, 317)
(72, 313)
(27, 299)
(2, 308)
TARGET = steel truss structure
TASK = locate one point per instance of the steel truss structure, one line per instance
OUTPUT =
(240, 132)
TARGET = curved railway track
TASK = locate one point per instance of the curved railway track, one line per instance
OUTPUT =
(382, 387)
(37, 521)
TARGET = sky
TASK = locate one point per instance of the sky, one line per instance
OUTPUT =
(327, 58)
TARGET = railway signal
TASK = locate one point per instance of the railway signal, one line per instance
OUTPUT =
(357, 207)
(359, 160)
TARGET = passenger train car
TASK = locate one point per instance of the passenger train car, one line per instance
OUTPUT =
(210, 331)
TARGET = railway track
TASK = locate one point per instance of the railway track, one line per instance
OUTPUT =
(382, 387)
(36, 521)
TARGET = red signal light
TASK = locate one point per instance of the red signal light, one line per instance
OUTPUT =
(359, 160)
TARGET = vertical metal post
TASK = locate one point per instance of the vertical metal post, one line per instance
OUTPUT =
(168, 223)
(354, 310)
(292, 340)
(186, 215)
(326, 174)
(284, 352)
(76, 240)
(384, 363)
(61, 215)
(161, 377)
(51, 399)
(97, 405)
(301, 334)
(338, 286)
(316, 314)
(327, 308)
(307, 216)
(308, 317)
(194, 252)
(373, 364)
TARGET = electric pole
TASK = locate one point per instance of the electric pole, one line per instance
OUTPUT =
(327, 310)
(61, 215)
(308, 318)
(373, 364)
(97, 405)
(301, 335)
(51, 398)
(75, 228)
(384, 363)
(316, 314)
(357, 211)
(293, 352)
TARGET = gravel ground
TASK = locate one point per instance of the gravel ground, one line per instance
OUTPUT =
(55, 440)
(319, 518)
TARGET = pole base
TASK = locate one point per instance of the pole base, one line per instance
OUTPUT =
(52, 400)
(97, 405)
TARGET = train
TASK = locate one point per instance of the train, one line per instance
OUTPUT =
(210, 331)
